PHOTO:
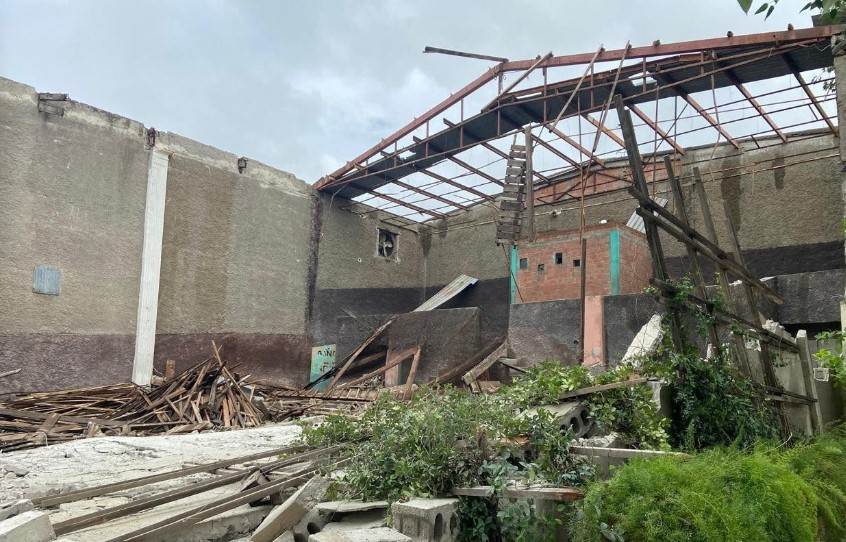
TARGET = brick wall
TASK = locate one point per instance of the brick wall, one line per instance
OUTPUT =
(541, 278)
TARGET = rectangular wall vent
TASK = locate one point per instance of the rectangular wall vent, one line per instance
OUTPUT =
(47, 280)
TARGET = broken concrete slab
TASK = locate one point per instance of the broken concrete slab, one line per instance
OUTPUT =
(427, 520)
(31, 526)
(645, 342)
(13, 508)
(288, 514)
(381, 534)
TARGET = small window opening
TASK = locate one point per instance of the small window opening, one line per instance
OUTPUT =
(541, 268)
(559, 258)
(577, 263)
(387, 244)
(524, 263)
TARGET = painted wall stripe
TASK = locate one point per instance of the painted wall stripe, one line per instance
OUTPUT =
(614, 260)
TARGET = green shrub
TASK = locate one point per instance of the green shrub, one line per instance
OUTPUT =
(718, 495)
(713, 405)
(823, 465)
(628, 411)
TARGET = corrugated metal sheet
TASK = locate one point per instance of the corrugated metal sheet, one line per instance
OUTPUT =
(447, 292)
(47, 280)
(636, 222)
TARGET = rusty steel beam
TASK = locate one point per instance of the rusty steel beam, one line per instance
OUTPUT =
(607, 131)
(460, 186)
(464, 164)
(654, 125)
(754, 103)
(810, 93)
(677, 88)
(429, 194)
(714, 44)
(429, 49)
(493, 149)
(520, 79)
(555, 151)
(695, 46)
(453, 99)
(707, 116)
(578, 146)
(421, 210)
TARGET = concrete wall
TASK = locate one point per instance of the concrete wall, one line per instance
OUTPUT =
(352, 279)
(72, 193)
(238, 249)
(235, 262)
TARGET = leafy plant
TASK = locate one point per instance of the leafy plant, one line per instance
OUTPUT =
(833, 358)
(829, 9)
(715, 406)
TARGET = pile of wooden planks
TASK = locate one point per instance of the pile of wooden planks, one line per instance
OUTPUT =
(208, 395)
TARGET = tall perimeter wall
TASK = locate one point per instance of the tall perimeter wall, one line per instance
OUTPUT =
(236, 250)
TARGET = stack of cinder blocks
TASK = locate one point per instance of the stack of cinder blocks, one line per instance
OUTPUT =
(427, 520)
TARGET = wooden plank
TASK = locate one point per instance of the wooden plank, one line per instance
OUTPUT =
(87, 493)
(604, 387)
(711, 231)
(32, 415)
(695, 269)
(451, 374)
(805, 358)
(397, 359)
(407, 393)
(485, 364)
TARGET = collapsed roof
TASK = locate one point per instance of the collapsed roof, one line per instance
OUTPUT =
(756, 86)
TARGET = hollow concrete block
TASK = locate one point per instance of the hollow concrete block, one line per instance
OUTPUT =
(427, 520)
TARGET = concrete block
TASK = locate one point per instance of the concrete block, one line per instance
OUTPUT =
(646, 341)
(381, 534)
(427, 520)
(32, 526)
(288, 514)
(571, 416)
(13, 508)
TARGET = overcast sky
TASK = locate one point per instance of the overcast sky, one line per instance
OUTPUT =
(305, 86)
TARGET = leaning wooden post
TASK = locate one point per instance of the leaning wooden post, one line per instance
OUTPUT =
(805, 360)
(642, 191)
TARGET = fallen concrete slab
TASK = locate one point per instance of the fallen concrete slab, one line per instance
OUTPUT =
(288, 514)
(13, 508)
(32, 526)
(381, 534)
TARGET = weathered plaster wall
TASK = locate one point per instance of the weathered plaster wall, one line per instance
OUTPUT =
(352, 279)
(72, 192)
(235, 264)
